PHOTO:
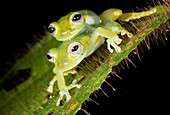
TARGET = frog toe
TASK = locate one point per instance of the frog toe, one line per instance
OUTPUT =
(50, 89)
(73, 84)
(63, 91)
(130, 35)
(109, 48)
(110, 43)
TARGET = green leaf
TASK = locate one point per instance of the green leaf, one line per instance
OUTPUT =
(34, 72)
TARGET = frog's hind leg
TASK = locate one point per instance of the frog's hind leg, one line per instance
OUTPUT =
(64, 90)
(111, 14)
(136, 15)
(73, 84)
(72, 71)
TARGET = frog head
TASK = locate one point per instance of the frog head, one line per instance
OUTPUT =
(70, 25)
(69, 53)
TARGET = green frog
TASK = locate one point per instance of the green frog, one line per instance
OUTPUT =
(104, 25)
(83, 32)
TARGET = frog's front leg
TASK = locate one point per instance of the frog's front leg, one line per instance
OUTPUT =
(51, 84)
(110, 42)
(112, 38)
(116, 27)
(64, 90)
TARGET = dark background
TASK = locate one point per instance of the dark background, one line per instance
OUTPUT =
(143, 90)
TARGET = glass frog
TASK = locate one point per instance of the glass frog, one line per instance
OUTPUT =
(80, 41)
(66, 57)
(104, 25)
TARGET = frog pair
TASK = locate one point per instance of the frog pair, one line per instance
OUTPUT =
(83, 32)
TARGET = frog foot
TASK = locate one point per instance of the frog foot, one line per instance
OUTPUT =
(130, 35)
(50, 89)
(114, 42)
(65, 91)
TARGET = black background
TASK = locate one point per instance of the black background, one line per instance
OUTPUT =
(143, 90)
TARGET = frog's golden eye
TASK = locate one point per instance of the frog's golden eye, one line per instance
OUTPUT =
(52, 29)
(77, 18)
(75, 48)
(51, 57)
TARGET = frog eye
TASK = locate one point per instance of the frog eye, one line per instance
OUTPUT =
(75, 48)
(51, 57)
(77, 18)
(52, 29)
